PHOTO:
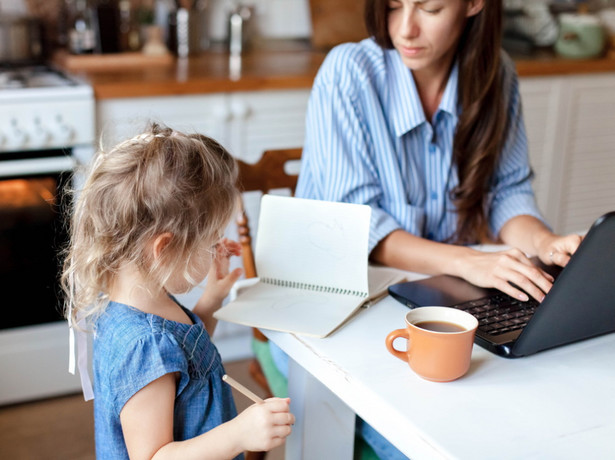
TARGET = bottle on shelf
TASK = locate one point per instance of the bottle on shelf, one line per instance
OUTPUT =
(107, 25)
(130, 34)
(82, 35)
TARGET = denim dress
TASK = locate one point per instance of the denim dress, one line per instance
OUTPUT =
(131, 350)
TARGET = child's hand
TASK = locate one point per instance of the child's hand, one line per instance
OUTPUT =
(264, 426)
(220, 280)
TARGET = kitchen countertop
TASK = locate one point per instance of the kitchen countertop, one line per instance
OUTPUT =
(285, 67)
(268, 69)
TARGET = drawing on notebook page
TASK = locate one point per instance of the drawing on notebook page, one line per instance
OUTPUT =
(336, 245)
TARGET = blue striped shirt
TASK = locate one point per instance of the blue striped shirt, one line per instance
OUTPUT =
(368, 141)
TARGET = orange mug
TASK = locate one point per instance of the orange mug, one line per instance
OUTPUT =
(440, 341)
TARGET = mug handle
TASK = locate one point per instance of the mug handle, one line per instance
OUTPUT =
(391, 338)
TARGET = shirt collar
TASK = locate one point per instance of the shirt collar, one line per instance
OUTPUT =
(406, 109)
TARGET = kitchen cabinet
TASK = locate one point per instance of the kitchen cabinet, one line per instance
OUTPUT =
(246, 123)
(119, 119)
(570, 123)
(264, 120)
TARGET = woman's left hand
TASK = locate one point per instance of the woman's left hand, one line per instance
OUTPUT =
(556, 250)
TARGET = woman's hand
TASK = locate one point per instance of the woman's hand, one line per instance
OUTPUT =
(264, 426)
(220, 280)
(556, 250)
(500, 269)
(533, 237)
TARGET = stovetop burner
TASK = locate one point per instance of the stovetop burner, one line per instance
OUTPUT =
(32, 77)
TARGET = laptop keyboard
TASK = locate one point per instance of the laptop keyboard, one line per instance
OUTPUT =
(501, 313)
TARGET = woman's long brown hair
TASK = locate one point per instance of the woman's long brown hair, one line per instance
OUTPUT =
(480, 132)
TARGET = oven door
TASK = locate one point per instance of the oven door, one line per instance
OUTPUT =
(33, 211)
(34, 206)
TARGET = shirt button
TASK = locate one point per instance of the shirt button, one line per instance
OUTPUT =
(434, 196)
(432, 148)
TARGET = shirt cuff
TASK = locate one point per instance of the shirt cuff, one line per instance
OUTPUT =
(513, 206)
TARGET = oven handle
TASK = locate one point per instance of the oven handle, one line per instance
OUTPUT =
(36, 166)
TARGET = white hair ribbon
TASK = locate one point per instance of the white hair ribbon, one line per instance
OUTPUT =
(82, 357)
(82, 351)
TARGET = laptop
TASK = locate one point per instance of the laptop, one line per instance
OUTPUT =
(580, 304)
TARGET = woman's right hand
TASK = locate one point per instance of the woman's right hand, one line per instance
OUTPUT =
(500, 269)
(265, 426)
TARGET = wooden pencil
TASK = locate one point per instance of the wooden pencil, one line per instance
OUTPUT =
(239, 387)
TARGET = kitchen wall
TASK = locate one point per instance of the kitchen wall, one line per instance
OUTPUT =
(273, 18)
(12, 7)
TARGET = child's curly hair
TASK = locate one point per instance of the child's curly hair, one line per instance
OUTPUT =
(157, 182)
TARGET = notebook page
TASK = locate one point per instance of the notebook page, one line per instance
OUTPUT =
(289, 309)
(380, 278)
(313, 242)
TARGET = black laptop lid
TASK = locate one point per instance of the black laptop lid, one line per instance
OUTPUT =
(581, 303)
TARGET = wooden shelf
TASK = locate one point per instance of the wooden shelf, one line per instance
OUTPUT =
(110, 62)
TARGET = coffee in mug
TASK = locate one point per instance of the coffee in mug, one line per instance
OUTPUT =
(440, 341)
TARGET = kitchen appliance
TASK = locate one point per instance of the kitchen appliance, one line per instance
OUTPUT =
(21, 39)
(528, 25)
(581, 36)
(188, 29)
(46, 130)
(240, 29)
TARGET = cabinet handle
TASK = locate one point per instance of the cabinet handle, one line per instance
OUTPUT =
(221, 112)
(240, 109)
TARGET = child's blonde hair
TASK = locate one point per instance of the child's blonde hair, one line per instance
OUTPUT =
(157, 182)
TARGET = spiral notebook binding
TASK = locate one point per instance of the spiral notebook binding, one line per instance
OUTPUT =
(313, 287)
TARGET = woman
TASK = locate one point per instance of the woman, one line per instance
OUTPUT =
(423, 122)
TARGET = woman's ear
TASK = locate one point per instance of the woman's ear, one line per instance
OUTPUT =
(474, 7)
(161, 242)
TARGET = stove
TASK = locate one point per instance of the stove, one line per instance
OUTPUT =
(47, 125)
(42, 108)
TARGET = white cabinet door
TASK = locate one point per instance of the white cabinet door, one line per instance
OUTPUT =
(570, 123)
(246, 123)
(587, 185)
(118, 119)
(266, 120)
(541, 101)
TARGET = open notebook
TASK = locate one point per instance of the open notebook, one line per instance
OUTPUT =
(312, 261)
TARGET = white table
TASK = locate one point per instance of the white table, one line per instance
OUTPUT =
(558, 404)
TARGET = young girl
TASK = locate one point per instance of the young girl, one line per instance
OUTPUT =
(146, 226)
